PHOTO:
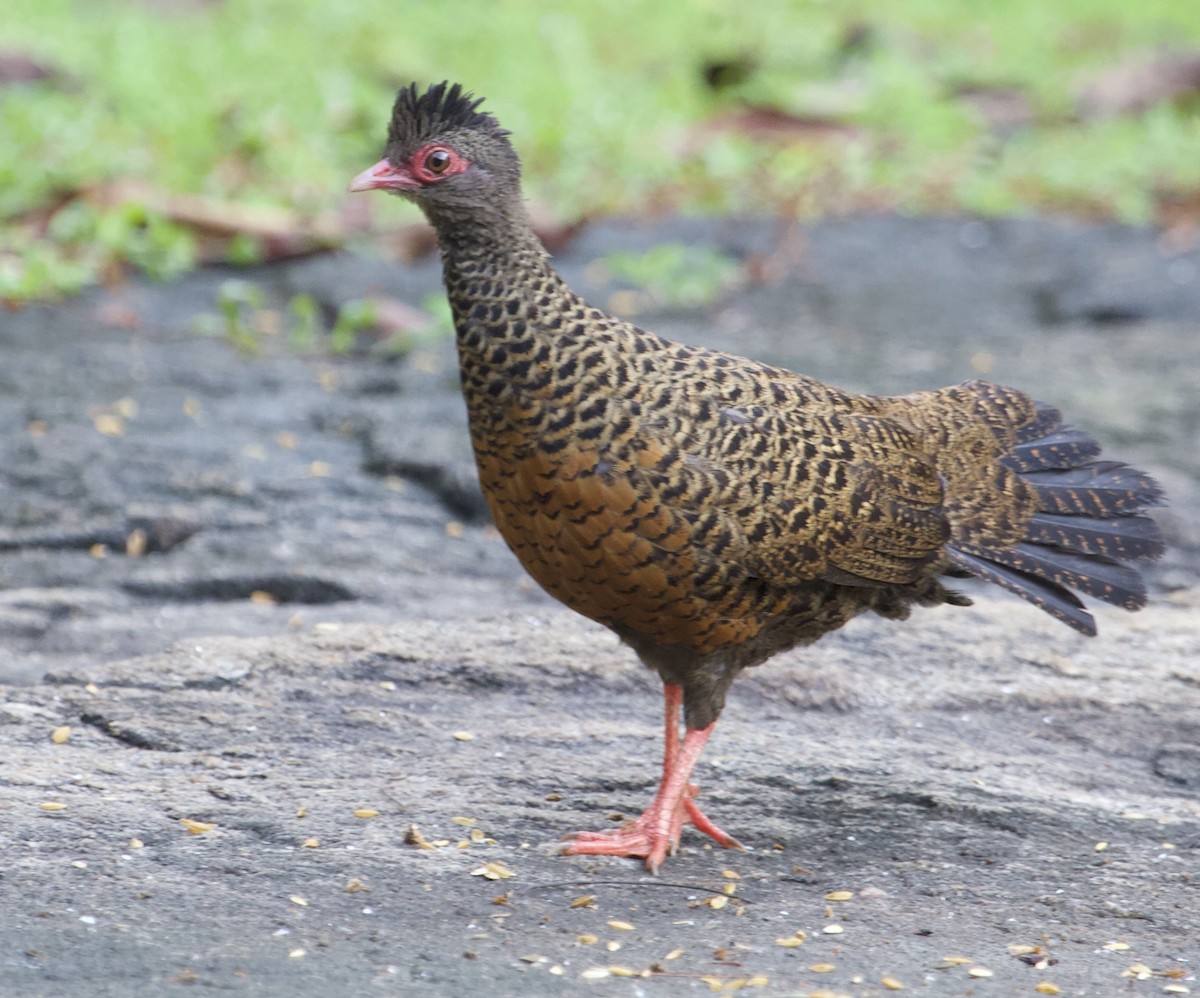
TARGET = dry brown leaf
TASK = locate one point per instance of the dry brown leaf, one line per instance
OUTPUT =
(1136, 86)
(18, 67)
(776, 126)
(281, 233)
(1003, 108)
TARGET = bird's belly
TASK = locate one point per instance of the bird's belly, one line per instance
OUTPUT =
(618, 555)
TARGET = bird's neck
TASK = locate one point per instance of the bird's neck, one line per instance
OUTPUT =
(513, 316)
(498, 276)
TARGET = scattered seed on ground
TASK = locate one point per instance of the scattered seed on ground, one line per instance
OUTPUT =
(108, 424)
(413, 837)
(135, 543)
(493, 871)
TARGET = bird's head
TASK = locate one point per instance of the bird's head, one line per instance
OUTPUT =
(444, 154)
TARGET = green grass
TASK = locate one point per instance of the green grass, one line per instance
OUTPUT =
(277, 103)
(673, 275)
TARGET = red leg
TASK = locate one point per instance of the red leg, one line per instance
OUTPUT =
(656, 833)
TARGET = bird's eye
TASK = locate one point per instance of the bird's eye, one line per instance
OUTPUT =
(437, 161)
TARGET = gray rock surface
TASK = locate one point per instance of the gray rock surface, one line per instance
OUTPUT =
(981, 779)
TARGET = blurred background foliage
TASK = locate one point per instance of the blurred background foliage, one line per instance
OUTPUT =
(162, 133)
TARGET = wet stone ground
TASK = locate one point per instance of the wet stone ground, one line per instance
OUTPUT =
(1010, 805)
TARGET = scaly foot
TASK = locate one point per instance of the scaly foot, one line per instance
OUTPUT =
(654, 835)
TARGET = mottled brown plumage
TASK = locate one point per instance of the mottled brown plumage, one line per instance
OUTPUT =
(712, 510)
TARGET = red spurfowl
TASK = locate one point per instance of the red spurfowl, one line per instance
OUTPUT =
(712, 510)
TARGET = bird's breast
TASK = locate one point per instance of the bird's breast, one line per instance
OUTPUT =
(570, 488)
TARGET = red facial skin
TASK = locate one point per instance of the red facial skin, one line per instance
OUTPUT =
(427, 165)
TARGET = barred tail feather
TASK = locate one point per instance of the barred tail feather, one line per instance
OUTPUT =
(1098, 489)
(1060, 603)
(1064, 448)
(1089, 522)
(1126, 537)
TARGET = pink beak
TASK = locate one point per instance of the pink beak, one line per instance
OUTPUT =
(383, 176)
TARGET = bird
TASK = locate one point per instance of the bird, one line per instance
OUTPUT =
(712, 510)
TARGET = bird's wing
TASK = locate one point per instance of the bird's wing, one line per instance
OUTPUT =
(817, 492)
(807, 482)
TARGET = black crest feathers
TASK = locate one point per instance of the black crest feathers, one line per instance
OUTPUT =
(419, 117)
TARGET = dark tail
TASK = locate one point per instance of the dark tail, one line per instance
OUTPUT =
(1089, 522)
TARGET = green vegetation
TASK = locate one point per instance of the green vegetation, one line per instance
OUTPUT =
(270, 105)
(249, 322)
(676, 275)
